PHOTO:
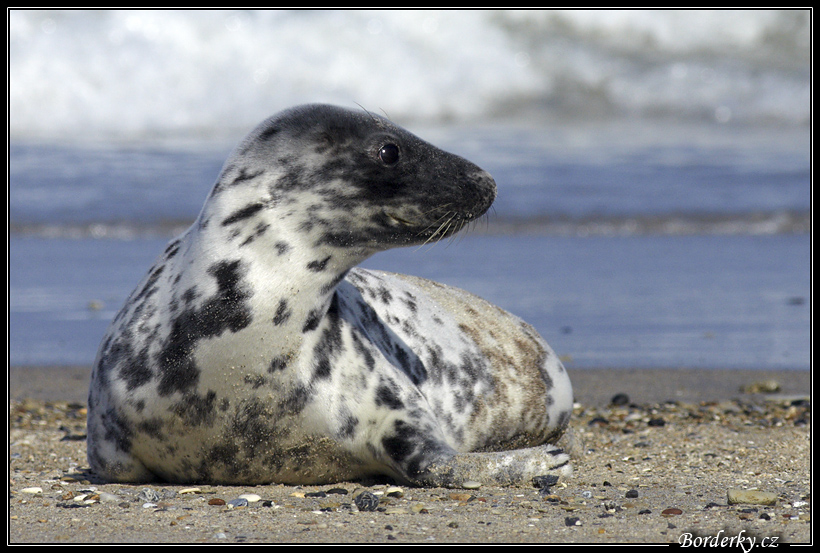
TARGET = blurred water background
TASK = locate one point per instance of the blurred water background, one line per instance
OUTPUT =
(654, 167)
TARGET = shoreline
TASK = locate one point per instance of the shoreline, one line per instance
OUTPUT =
(656, 468)
(592, 387)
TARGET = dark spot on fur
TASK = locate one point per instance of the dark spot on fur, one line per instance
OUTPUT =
(189, 295)
(330, 343)
(282, 313)
(387, 397)
(244, 213)
(260, 230)
(312, 322)
(149, 288)
(412, 449)
(171, 249)
(152, 427)
(227, 310)
(255, 381)
(348, 429)
(195, 409)
(318, 266)
(333, 283)
(244, 175)
(278, 364)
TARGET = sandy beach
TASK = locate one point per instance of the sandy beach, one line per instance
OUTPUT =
(667, 456)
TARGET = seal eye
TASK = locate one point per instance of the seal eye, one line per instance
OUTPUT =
(389, 154)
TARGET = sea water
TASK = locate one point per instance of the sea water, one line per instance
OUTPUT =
(653, 168)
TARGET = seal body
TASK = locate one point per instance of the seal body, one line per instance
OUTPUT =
(254, 350)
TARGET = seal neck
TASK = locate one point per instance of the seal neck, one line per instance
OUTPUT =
(291, 276)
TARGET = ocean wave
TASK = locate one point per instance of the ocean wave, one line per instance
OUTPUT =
(134, 74)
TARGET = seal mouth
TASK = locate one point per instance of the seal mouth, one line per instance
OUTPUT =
(399, 220)
(446, 224)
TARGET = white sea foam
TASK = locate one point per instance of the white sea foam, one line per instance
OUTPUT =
(137, 74)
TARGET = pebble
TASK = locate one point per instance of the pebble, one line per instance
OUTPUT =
(106, 497)
(471, 485)
(250, 497)
(761, 387)
(546, 481)
(239, 502)
(148, 495)
(366, 501)
(672, 511)
(619, 399)
(32, 491)
(750, 497)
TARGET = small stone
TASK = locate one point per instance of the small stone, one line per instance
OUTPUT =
(32, 491)
(366, 501)
(761, 387)
(471, 485)
(338, 491)
(394, 491)
(148, 495)
(672, 511)
(545, 481)
(619, 399)
(631, 494)
(184, 491)
(216, 501)
(750, 497)
(239, 502)
(461, 496)
(250, 497)
(572, 521)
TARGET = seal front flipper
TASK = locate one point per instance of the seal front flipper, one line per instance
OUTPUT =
(421, 458)
(497, 468)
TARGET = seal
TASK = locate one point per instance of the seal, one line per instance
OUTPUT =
(255, 351)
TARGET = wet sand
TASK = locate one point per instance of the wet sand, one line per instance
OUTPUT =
(655, 467)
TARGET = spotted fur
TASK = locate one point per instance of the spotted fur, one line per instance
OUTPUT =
(255, 350)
